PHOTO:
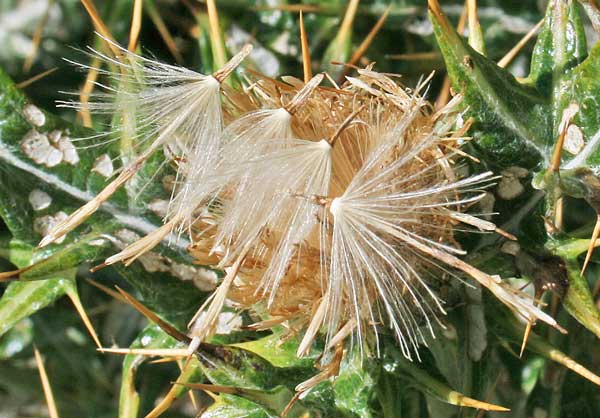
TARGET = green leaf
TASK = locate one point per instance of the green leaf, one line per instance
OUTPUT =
(232, 366)
(355, 385)
(235, 406)
(582, 86)
(172, 298)
(22, 299)
(280, 355)
(578, 300)
(15, 340)
(67, 185)
(511, 119)
(429, 384)
(150, 337)
(560, 46)
(507, 327)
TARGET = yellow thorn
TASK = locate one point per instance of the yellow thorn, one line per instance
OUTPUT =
(150, 352)
(100, 26)
(211, 388)
(164, 32)
(31, 80)
(444, 95)
(462, 20)
(37, 38)
(510, 55)
(169, 398)
(84, 317)
(12, 275)
(152, 317)
(592, 245)
(568, 115)
(191, 393)
(306, 61)
(219, 53)
(136, 25)
(364, 45)
(346, 25)
(525, 337)
(475, 34)
(108, 291)
(52, 411)
(462, 400)
(86, 91)
(571, 364)
(164, 360)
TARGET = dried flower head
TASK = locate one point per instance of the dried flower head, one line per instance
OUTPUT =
(348, 226)
(331, 209)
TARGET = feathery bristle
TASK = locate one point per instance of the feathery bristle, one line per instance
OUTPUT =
(159, 104)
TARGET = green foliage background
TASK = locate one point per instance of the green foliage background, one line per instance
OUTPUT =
(476, 356)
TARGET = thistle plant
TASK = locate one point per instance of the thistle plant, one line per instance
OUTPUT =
(344, 243)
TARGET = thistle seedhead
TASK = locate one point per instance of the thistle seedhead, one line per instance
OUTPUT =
(331, 209)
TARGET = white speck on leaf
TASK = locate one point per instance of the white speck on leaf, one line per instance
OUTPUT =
(573, 140)
(68, 150)
(34, 115)
(103, 166)
(37, 147)
(39, 200)
(97, 242)
(55, 135)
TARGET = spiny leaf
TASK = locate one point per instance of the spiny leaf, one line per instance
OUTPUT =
(579, 301)
(65, 185)
(22, 299)
(235, 406)
(231, 366)
(508, 327)
(561, 46)
(511, 119)
(150, 337)
(582, 86)
(277, 353)
(440, 390)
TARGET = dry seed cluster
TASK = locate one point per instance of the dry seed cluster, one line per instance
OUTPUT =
(331, 209)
